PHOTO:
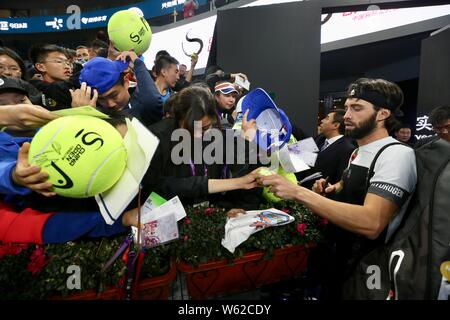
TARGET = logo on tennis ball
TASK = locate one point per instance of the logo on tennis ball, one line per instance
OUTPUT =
(69, 182)
(74, 154)
(88, 143)
(135, 38)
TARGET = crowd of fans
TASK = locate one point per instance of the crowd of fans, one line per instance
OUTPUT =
(167, 98)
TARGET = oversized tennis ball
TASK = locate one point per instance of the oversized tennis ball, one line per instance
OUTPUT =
(127, 30)
(265, 171)
(269, 196)
(83, 155)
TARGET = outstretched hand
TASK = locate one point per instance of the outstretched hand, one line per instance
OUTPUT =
(279, 186)
(24, 116)
(323, 188)
(249, 128)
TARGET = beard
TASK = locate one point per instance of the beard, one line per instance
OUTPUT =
(364, 129)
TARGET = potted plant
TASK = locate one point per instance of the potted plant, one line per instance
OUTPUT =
(43, 271)
(268, 256)
(29, 271)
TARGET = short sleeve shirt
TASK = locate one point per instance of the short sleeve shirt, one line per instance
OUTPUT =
(395, 173)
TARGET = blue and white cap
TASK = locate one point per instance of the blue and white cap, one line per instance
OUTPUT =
(274, 128)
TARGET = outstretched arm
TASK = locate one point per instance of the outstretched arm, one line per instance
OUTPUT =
(24, 116)
(369, 219)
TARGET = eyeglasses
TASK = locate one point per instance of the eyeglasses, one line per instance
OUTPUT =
(63, 62)
(12, 68)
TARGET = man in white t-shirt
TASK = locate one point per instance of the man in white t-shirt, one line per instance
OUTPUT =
(369, 201)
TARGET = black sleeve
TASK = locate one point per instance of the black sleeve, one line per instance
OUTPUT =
(34, 94)
(240, 199)
(167, 184)
(56, 95)
(146, 103)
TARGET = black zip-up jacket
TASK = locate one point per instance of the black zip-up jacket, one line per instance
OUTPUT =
(169, 180)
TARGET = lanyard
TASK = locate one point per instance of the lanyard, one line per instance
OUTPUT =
(119, 251)
(194, 172)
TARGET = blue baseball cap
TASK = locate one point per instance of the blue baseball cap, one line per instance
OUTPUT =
(274, 127)
(101, 73)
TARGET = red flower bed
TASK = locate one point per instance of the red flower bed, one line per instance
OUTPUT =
(156, 288)
(249, 272)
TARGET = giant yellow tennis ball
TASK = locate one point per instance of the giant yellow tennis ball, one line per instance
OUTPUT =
(269, 196)
(83, 155)
(127, 30)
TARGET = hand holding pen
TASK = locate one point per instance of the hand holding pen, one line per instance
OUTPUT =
(323, 187)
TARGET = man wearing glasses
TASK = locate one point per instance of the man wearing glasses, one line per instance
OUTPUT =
(51, 62)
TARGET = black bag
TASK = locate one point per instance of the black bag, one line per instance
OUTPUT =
(407, 266)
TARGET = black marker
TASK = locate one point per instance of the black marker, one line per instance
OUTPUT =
(326, 185)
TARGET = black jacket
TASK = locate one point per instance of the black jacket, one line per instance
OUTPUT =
(56, 95)
(169, 179)
(331, 162)
(145, 102)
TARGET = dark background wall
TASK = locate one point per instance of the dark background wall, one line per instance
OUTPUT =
(278, 47)
(434, 83)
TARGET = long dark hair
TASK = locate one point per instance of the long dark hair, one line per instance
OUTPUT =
(192, 104)
(13, 55)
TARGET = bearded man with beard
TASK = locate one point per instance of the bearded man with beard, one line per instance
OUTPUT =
(369, 200)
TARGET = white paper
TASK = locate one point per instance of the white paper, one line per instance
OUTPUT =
(240, 228)
(308, 157)
(160, 223)
(240, 81)
(291, 161)
(141, 145)
(305, 145)
(158, 231)
(172, 206)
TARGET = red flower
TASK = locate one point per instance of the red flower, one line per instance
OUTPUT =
(285, 210)
(37, 261)
(301, 227)
(209, 211)
(186, 238)
(121, 281)
(12, 249)
(323, 222)
(187, 221)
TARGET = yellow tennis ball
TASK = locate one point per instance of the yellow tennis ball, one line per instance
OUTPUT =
(265, 171)
(127, 30)
(269, 196)
(82, 155)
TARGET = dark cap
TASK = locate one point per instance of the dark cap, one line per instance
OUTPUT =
(8, 84)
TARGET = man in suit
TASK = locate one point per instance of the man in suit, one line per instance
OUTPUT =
(335, 150)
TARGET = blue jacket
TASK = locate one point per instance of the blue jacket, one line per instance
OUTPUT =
(145, 103)
(61, 226)
(9, 148)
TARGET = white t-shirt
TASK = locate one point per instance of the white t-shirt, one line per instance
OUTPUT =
(395, 173)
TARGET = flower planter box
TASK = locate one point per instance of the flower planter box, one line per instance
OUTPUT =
(156, 288)
(249, 272)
